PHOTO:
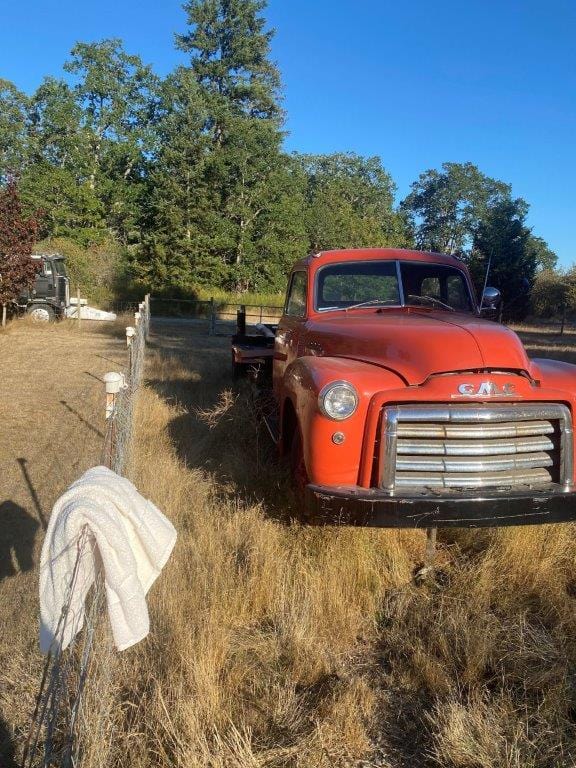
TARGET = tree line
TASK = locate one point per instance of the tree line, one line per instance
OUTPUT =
(180, 182)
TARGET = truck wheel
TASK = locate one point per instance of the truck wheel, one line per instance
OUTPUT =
(298, 468)
(40, 313)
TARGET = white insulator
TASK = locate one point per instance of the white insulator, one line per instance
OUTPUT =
(114, 382)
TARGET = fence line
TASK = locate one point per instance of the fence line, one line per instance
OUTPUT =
(55, 737)
(219, 315)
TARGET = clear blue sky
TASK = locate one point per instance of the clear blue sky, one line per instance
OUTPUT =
(418, 82)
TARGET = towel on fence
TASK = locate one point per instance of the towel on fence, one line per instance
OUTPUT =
(101, 522)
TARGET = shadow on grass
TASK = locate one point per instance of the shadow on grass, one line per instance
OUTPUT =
(17, 539)
(7, 749)
(219, 428)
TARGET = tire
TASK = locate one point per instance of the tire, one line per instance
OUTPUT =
(298, 469)
(40, 313)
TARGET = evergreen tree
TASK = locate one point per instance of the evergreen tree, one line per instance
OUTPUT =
(229, 50)
(234, 182)
(174, 214)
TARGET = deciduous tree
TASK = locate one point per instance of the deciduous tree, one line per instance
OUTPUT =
(350, 203)
(18, 234)
(13, 129)
(446, 207)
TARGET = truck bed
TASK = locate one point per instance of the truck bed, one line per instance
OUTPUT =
(253, 354)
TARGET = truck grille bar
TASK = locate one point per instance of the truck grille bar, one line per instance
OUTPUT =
(458, 447)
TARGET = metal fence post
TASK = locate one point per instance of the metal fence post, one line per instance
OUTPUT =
(212, 330)
(241, 321)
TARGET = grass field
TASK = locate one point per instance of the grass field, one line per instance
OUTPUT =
(276, 645)
(52, 421)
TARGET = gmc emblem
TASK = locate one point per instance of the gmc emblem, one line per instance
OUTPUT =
(486, 389)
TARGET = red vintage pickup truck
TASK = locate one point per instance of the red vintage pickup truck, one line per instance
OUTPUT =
(401, 405)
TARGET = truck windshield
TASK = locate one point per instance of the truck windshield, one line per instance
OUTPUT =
(390, 283)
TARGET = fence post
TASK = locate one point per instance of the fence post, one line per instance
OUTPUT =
(241, 321)
(113, 382)
(212, 317)
(563, 319)
(130, 332)
(78, 307)
(147, 310)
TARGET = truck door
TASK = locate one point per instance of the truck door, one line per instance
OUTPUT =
(45, 283)
(290, 325)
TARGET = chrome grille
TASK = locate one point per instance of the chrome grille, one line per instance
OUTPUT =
(456, 447)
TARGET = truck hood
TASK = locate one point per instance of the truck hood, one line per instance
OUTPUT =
(417, 343)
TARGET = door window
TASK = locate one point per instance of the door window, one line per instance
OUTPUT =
(296, 299)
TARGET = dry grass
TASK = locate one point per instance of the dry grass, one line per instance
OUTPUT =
(52, 421)
(278, 645)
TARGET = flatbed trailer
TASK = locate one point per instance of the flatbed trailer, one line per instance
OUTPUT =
(253, 353)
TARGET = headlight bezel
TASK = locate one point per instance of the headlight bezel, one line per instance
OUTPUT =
(326, 389)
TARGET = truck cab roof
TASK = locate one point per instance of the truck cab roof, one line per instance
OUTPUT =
(369, 254)
(47, 256)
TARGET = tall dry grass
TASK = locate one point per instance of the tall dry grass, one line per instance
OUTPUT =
(275, 645)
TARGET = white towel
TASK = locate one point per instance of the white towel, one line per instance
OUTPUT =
(124, 534)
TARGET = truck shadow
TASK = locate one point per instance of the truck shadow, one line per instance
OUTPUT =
(219, 428)
(19, 530)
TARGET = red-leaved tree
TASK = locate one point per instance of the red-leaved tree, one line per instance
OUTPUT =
(17, 237)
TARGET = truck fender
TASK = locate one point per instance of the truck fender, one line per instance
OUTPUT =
(555, 374)
(326, 461)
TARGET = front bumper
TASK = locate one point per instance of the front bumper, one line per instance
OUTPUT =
(373, 508)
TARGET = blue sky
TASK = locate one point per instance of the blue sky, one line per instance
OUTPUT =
(417, 82)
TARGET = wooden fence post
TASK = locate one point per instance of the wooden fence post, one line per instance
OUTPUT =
(78, 307)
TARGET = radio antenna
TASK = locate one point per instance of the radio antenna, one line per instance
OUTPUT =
(486, 280)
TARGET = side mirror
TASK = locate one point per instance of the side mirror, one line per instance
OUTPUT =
(491, 298)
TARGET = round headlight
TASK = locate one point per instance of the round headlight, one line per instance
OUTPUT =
(338, 400)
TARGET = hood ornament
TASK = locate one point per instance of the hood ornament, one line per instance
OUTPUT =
(486, 389)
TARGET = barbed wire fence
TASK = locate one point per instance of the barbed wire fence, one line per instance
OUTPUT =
(58, 724)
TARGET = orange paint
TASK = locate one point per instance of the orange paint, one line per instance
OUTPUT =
(394, 355)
